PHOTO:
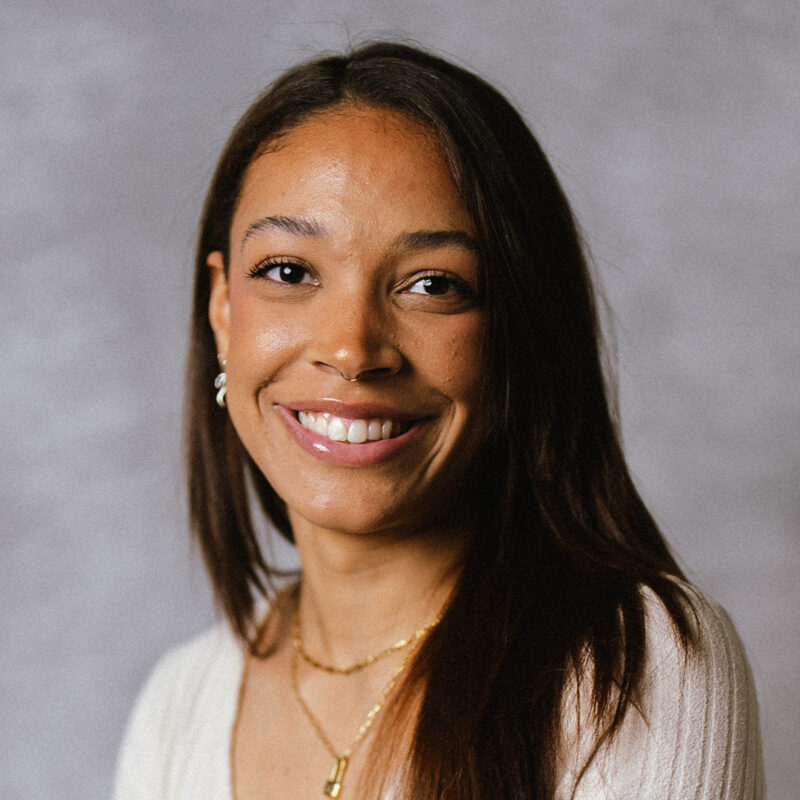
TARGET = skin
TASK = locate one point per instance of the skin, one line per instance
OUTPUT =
(351, 285)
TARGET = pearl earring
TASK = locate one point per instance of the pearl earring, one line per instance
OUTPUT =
(220, 382)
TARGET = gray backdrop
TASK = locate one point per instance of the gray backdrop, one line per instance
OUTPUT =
(674, 127)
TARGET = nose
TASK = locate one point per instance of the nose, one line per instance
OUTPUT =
(354, 337)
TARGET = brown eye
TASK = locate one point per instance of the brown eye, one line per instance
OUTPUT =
(288, 273)
(285, 272)
(438, 285)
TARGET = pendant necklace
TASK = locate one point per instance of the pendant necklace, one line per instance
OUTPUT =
(333, 785)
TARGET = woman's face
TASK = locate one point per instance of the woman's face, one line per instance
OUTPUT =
(353, 257)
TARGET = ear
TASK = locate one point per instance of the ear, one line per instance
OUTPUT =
(219, 308)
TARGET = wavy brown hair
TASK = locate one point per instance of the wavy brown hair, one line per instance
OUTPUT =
(564, 543)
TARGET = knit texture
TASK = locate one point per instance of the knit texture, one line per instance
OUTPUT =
(695, 733)
(694, 737)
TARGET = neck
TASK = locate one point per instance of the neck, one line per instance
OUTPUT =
(361, 593)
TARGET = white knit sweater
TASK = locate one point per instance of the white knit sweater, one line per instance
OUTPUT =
(697, 739)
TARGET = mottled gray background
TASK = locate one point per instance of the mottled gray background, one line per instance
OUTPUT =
(674, 127)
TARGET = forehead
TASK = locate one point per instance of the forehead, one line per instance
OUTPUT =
(356, 162)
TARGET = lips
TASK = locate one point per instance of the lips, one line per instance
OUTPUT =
(359, 435)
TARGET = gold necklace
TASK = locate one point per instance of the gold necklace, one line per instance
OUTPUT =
(333, 786)
(297, 643)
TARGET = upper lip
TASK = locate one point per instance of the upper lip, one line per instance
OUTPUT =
(339, 408)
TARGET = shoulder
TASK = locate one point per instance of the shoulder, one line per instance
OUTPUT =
(712, 675)
(695, 732)
(199, 665)
(190, 676)
(717, 650)
(192, 685)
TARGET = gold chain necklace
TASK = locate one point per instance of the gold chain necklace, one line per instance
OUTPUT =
(333, 786)
(297, 643)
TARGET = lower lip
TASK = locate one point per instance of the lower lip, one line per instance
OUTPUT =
(344, 454)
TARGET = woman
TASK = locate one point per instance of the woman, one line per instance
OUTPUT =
(395, 353)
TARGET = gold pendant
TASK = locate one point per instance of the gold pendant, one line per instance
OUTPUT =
(334, 784)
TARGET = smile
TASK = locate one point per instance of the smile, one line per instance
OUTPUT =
(359, 435)
(352, 431)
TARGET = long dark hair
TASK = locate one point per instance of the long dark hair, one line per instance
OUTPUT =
(553, 580)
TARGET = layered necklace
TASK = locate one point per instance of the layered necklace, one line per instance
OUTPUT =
(333, 785)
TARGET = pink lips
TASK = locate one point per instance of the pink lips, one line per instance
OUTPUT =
(343, 453)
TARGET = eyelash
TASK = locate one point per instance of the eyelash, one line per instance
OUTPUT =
(263, 268)
(461, 287)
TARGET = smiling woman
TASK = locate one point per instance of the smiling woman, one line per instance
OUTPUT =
(411, 391)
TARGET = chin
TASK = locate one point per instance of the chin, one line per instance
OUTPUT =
(350, 515)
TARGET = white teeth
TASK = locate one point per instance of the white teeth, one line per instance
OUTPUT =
(338, 429)
(357, 433)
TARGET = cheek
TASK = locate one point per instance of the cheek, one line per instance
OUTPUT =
(453, 356)
(260, 335)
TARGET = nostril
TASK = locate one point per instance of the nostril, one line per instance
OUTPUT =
(375, 372)
(358, 364)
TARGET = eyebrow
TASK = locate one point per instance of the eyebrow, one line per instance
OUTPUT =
(416, 240)
(299, 226)
(425, 240)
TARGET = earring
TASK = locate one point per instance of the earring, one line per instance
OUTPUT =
(220, 382)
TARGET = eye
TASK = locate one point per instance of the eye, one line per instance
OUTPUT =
(437, 284)
(282, 271)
